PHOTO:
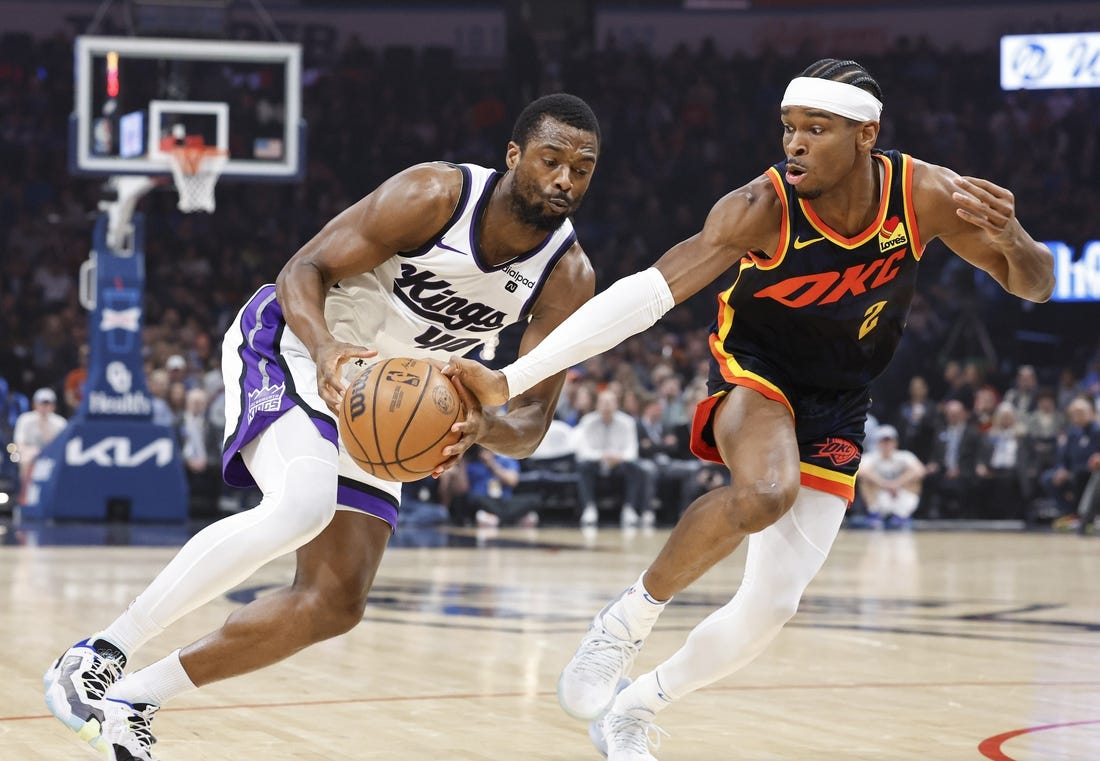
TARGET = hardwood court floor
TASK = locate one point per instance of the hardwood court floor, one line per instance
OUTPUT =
(944, 646)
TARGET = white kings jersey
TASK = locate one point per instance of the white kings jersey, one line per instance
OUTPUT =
(444, 298)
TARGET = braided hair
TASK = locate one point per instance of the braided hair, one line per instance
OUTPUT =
(848, 72)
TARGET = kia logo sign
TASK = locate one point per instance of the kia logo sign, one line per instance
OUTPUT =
(117, 452)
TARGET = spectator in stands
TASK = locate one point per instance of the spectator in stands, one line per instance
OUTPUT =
(985, 405)
(675, 413)
(1045, 422)
(661, 455)
(482, 490)
(607, 454)
(1068, 388)
(200, 448)
(176, 365)
(177, 401)
(1023, 396)
(915, 420)
(958, 385)
(889, 481)
(1001, 491)
(158, 393)
(1077, 459)
(953, 465)
(36, 428)
(579, 401)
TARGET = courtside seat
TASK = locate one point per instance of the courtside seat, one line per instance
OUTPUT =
(550, 473)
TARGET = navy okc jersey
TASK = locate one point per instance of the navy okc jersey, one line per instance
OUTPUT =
(825, 310)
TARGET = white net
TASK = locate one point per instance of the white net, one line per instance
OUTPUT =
(195, 170)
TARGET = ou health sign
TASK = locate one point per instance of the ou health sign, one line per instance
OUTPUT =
(1049, 61)
(1077, 278)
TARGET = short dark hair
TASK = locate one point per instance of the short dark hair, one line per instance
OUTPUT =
(848, 72)
(562, 107)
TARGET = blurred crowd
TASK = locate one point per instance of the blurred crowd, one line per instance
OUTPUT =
(679, 131)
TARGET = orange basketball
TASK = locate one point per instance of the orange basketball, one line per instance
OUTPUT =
(397, 417)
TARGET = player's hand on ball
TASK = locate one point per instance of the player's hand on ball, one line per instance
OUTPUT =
(988, 206)
(330, 378)
(489, 386)
(470, 430)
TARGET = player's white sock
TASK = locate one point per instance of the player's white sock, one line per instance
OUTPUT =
(633, 615)
(645, 692)
(129, 632)
(782, 560)
(156, 684)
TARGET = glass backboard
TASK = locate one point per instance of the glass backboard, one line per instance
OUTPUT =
(137, 96)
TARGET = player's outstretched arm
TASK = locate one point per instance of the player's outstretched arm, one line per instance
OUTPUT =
(977, 220)
(400, 215)
(746, 219)
(517, 432)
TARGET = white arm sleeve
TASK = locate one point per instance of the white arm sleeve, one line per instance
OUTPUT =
(629, 306)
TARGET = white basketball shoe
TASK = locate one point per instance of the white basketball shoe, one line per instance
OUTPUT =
(75, 685)
(626, 736)
(127, 733)
(587, 683)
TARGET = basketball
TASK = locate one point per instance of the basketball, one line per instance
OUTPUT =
(396, 419)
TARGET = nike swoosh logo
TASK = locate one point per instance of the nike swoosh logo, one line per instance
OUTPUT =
(441, 244)
(803, 243)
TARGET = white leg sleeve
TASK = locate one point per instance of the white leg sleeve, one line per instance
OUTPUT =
(782, 560)
(296, 470)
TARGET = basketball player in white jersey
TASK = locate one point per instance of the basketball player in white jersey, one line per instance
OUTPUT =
(436, 260)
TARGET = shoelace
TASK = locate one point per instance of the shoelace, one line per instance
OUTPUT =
(605, 656)
(139, 722)
(632, 733)
(102, 674)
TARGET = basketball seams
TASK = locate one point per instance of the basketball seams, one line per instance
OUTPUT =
(349, 430)
(412, 416)
(398, 468)
(374, 420)
(414, 455)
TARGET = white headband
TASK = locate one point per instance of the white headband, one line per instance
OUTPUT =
(837, 97)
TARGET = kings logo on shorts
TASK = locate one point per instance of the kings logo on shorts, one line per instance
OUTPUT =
(266, 399)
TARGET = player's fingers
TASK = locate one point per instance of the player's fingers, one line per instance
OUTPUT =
(473, 404)
(979, 220)
(991, 188)
(353, 350)
(454, 366)
(467, 438)
(445, 465)
(332, 400)
(987, 194)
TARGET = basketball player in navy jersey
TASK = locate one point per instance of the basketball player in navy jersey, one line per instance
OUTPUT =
(437, 259)
(826, 244)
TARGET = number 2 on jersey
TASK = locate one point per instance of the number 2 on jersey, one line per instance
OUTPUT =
(871, 318)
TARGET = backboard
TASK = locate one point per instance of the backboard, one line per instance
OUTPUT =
(135, 96)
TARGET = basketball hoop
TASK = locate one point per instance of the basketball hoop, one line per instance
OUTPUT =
(195, 170)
